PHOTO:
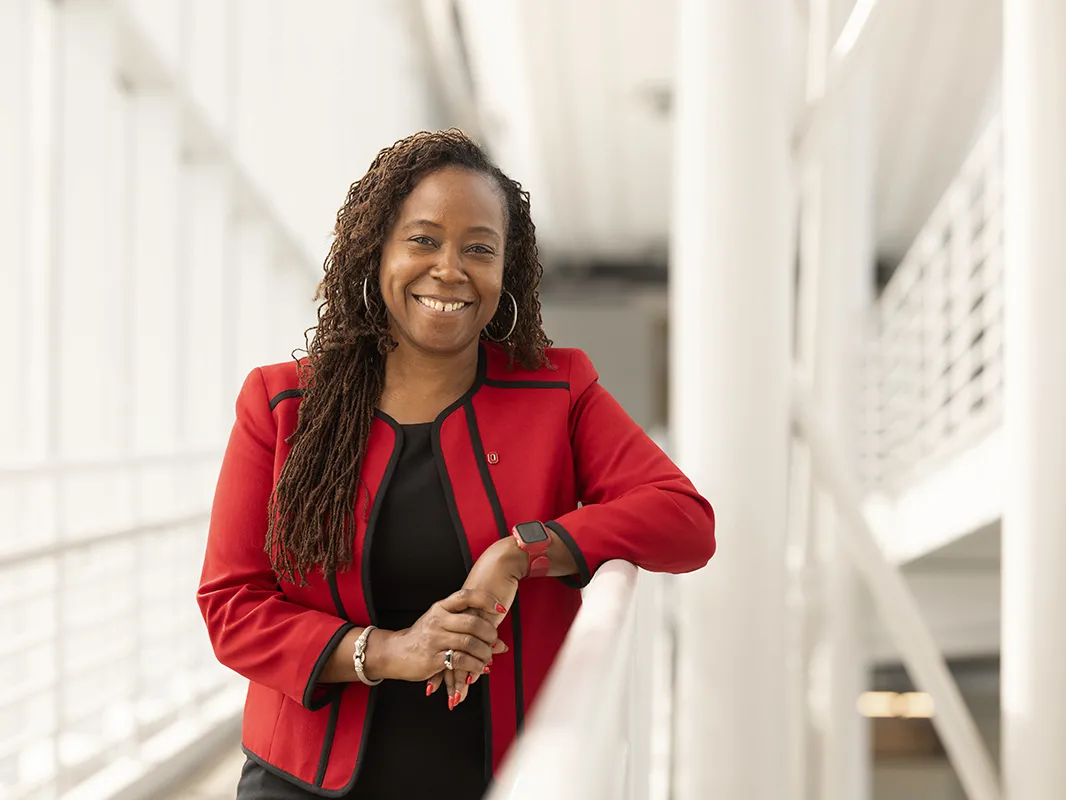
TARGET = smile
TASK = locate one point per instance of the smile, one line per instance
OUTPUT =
(441, 306)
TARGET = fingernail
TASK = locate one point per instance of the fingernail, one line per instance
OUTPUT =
(487, 669)
(489, 664)
(469, 679)
(451, 703)
(500, 608)
(429, 689)
(457, 697)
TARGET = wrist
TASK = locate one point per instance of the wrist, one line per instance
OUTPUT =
(378, 654)
(513, 560)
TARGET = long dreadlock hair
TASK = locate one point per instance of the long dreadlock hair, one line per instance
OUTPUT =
(311, 514)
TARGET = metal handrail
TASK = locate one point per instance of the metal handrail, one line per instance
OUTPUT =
(575, 744)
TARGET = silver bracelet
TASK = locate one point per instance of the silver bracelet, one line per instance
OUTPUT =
(359, 657)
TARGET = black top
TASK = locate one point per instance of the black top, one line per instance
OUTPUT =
(415, 747)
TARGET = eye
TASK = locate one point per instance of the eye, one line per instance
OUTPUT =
(482, 250)
(425, 241)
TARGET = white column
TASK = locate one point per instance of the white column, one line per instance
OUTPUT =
(1034, 517)
(844, 288)
(14, 147)
(730, 289)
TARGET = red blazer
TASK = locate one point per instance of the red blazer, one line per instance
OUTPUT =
(518, 446)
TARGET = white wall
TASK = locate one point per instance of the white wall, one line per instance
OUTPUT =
(618, 332)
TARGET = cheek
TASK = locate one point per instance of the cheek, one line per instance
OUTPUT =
(394, 273)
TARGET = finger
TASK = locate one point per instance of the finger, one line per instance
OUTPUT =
(471, 624)
(434, 683)
(461, 679)
(449, 683)
(499, 647)
(465, 665)
(464, 643)
(472, 599)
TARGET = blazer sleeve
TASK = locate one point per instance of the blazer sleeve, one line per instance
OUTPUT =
(636, 504)
(253, 628)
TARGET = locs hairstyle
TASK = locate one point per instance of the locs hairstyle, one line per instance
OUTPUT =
(311, 512)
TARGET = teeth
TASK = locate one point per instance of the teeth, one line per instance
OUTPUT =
(429, 302)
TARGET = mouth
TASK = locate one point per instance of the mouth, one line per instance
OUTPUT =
(441, 305)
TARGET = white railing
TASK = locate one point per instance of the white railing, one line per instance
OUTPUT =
(935, 370)
(600, 727)
(103, 657)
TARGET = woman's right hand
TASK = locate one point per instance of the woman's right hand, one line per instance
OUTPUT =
(417, 653)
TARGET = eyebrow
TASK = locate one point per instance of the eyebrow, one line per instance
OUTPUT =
(428, 223)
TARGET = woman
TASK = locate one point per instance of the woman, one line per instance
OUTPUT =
(377, 527)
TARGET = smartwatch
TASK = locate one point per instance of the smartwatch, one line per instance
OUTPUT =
(533, 537)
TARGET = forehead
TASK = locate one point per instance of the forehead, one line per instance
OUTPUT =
(454, 194)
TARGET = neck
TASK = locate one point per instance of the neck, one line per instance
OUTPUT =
(419, 385)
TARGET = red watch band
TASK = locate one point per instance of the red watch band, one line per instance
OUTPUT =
(535, 547)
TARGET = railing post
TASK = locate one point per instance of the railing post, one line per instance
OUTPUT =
(839, 264)
(1034, 516)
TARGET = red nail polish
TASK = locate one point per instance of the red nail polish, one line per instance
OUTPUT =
(487, 669)
(457, 697)
(500, 608)
(469, 679)
(451, 703)
(429, 689)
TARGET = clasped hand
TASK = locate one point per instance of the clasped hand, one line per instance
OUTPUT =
(465, 623)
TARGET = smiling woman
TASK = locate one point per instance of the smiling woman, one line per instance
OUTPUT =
(418, 501)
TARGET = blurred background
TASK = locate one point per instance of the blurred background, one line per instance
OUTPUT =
(777, 228)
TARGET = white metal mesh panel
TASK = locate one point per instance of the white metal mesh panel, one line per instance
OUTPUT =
(934, 372)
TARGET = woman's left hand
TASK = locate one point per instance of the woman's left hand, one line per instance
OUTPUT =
(497, 571)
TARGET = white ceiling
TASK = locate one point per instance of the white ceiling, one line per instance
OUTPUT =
(574, 101)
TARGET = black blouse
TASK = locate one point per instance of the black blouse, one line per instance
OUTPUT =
(415, 748)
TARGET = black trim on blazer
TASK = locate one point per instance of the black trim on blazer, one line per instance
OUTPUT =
(309, 701)
(457, 523)
(584, 575)
(375, 512)
(327, 744)
(501, 527)
(371, 525)
(318, 791)
(334, 592)
(438, 455)
(285, 396)
(496, 383)
(336, 696)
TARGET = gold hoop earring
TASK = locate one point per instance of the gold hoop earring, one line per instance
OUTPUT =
(514, 321)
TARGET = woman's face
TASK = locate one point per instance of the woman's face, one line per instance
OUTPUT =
(442, 262)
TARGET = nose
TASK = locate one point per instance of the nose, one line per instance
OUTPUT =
(449, 267)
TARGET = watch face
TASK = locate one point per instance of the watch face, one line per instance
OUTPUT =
(532, 532)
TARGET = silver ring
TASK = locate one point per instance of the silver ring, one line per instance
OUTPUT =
(448, 659)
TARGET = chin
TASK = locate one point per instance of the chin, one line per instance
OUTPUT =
(443, 345)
